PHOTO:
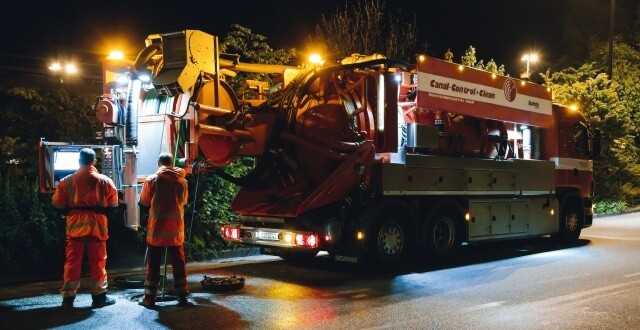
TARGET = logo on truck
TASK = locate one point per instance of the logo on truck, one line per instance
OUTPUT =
(510, 90)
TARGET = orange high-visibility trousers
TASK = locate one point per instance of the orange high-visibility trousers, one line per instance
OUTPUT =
(97, 255)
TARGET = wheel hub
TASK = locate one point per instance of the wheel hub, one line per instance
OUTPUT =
(572, 222)
(442, 235)
(390, 239)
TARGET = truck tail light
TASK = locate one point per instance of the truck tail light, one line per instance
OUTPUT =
(312, 241)
(308, 240)
(231, 233)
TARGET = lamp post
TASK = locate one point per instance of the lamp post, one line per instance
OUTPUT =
(69, 69)
(612, 16)
(529, 58)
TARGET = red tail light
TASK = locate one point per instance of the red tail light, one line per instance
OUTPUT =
(231, 233)
(312, 241)
(307, 240)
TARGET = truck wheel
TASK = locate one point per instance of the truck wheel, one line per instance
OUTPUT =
(390, 241)
(441, 236)
(571, 222)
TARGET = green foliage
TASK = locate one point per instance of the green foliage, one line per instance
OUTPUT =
(30, 114)
(213, 209)
(611, 107)
(252, 47)
(368, 27)
(32, 235)
(610, 206)
(470, 59)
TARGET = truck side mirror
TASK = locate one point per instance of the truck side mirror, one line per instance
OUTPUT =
(596, 144)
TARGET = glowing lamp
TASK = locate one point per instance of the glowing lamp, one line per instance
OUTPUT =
(115, 55)
(70, 68)
(316, 59)
(55, 67)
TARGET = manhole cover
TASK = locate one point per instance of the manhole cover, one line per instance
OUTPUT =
(222, 283)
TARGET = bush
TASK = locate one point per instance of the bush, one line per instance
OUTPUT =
(213, 209)
(610, 206)
(32, 235)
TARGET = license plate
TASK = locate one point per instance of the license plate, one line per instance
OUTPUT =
(267, 236)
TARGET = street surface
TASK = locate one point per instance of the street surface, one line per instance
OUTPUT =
(532, 284)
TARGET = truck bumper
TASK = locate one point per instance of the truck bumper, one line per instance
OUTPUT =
(271, 237)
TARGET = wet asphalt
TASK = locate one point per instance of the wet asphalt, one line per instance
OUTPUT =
(527, 284)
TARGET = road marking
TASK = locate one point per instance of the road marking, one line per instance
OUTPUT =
(483, 306)
(613, 237)
(567, 277)
(353, 291)
(588, 295)
(358, 296)
(632, 275)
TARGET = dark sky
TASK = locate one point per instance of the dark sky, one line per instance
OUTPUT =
(498, 28)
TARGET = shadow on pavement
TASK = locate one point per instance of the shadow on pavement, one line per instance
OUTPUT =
(472, 265)
(203, 315)
(41, 318)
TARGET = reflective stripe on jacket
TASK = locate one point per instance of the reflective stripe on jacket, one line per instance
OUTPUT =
(165, 193)
(80, 192)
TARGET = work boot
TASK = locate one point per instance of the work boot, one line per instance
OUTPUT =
(67, 302)
(101, 300)
(149, 301)
(184, 302)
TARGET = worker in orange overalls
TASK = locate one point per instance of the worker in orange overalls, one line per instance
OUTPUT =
(86, 197)
(165, 193)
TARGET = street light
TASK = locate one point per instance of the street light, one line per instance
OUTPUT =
(115, 55)
(55, 67)
(529, 58)
(316, 59)
(71, 69)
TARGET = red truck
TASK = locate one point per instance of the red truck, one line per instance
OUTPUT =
(368, 158)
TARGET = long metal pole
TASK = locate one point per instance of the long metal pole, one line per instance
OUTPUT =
(612, 11)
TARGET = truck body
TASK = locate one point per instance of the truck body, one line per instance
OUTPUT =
(368, 158)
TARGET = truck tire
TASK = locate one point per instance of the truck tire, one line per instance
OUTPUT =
(571, 220)
(441, 235)
(389, 241)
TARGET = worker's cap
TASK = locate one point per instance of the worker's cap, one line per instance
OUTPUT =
(87, 156)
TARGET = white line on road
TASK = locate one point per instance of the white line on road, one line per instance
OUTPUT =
(483, 306)
(353, 291)
(613, 237)
(632, 275)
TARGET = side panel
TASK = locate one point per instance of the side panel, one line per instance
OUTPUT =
(511, 218)
(519, 217)
(437, 175)
(500, 218)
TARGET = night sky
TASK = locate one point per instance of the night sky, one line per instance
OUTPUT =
(559, 29)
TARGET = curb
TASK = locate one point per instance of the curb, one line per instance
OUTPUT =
(627, 211)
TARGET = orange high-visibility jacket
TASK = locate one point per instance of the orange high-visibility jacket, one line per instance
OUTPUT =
(165, 193)
(80, 192)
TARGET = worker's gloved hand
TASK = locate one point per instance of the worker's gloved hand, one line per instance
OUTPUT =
(144, 215)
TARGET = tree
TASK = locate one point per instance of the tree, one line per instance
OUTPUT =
(253, 48)
(31, 114)
(617, 173)
(368, 27)
(470, 59)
